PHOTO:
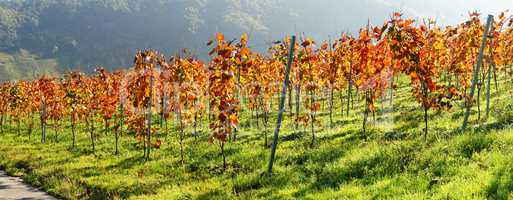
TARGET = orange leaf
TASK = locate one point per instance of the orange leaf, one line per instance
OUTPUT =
(158, 143)
(316, 106)
(414, 75)
(234, 119)
(220, 37)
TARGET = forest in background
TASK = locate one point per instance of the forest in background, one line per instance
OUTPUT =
(54, 36)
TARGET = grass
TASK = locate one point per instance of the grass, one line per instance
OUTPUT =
(391, 161)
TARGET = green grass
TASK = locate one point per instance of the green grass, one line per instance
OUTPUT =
(391, 161)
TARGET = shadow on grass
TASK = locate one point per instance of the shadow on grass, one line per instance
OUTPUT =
(245, 184)
(344, 122)
(213, 194)
(388, 162)
(394, 135)
(127, 163)
(501, 185)
(503, 122)
(293, 136)
(23, 165)
(459, 114)
(124, 192)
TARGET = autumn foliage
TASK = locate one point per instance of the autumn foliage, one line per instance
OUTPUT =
(438, 62)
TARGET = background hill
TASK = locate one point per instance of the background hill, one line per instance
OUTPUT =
(81, 34)
(58, 35)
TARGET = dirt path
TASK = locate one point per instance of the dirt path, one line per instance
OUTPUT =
(14, 188)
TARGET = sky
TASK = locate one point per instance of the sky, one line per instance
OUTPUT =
(324, 19)
(448, 11)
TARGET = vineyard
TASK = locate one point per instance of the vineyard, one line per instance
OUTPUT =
(406, 109)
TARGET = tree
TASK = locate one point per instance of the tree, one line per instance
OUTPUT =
(140, 92)
(308, 60)
(74, 86)
(47, 95)
(415, 52)
(185, 77)
(222, 93)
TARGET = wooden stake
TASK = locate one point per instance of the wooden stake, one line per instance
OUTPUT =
(282, 105)
(476, 71)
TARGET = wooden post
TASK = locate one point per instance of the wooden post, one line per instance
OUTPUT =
(312, 117)
(162, 109)
(488, 90)
(43, 122)
(391, 93)
(491, 67)
(282, 105)
(476, 72)
(298, 94)
(290, 101)
(349, 87)
(331, 107)
(148, 131)
(90, 124)
(2, 123)
(240, 98)
(120, 127)
(72, 127)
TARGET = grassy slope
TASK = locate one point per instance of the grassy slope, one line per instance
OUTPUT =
(393, 162)
(24, 65)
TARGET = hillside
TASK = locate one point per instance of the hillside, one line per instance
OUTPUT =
(23, 65)
(108, 33)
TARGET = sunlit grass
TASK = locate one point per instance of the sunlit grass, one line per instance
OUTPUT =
(391, 161)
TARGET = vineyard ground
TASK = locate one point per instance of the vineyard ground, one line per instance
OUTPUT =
(391, 161)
